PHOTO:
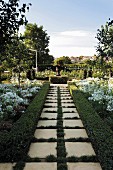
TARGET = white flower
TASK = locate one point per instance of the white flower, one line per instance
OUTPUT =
(9, 108)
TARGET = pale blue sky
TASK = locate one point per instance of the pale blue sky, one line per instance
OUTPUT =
(71, 24)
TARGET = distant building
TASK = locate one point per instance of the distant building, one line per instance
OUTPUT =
(81, 58)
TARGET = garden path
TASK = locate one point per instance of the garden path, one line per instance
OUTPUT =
(60, 140)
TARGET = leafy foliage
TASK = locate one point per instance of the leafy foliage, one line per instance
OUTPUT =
(37, 39)
(12, 16)
(105, 38)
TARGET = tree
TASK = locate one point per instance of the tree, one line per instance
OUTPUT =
(62, 60)
(37, 39)
(11, 18)
(17, 56)
(105, 38)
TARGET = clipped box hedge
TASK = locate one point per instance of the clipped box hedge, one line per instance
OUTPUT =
(14, 145)
(100, 133)
(58, 79)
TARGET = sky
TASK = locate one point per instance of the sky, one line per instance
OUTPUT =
(71, 24)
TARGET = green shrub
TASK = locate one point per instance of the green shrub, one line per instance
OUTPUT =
(51, 158)
(99, 132)
(58, 79)
(62, 166)
(15, 144)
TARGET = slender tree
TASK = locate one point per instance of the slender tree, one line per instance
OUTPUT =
(105, 38)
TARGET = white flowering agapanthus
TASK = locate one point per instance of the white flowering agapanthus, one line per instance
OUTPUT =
(11, 97)
(9, 108)
(99, 90)
(110, 105)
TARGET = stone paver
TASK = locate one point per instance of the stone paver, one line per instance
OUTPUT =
(65, 95)
(40, 166)
(52, 95)
(67, 101)
(66, 98)
(51, 104)
(84, 166)
(6, 166)
(46, 123)
(49, 115)
(72, 123)
(51, 98)
(75, 133)
(79, 149)
(45, 133)
(67, 104)
(42, 150)
(70, 115)
(50, 109)
(69, 109)
(51, 101)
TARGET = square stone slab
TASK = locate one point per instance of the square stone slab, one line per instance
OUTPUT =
(51, 101)
(51, 98)
(64, 92)
(40, 166)
(51, 104)
(84, 166)
(65, 95)
(67, 101)
(67, 104)
(49, 115)
(72, 123)
(42, 150)
(46, 123)
(70, 115)
(45, 133)
(66, 98)
(52, 94)
(69, 110)
(6, 166)
(79, 149)
(50, 109)
(75, 133)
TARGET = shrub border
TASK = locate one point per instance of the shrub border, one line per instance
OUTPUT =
(14, 145)
(99, 132)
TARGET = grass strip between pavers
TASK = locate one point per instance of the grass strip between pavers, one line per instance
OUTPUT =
(100, 134)
(14, 145)
(61, 150)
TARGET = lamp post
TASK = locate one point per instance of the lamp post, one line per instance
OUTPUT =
(36, 58)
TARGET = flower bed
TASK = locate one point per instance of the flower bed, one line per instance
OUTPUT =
(15, 143)
(100, 94)
(14, 100)
(98, 131)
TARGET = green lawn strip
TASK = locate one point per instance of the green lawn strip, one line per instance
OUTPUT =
(61, 150)
(15, 144)
(99, 132)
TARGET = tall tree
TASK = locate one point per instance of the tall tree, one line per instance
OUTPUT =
(62, 60)
(37, 39)
(17, 56)
(12, 16)
(105, 38)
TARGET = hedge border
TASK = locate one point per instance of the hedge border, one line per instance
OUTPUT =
(14, 145)
(99, 132)
(58, 79)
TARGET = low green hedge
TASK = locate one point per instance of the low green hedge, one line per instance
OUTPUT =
(15, 144)
(58, 79)
(99, 132)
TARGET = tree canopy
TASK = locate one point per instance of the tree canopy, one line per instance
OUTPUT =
(36, 38)
(12, 16)
(62, 60)
(105, 38)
